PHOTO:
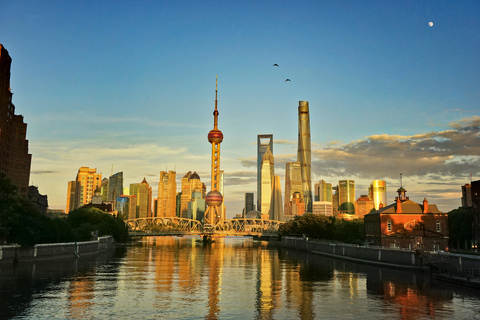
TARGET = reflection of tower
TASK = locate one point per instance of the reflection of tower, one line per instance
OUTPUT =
(214, 198)
(304, 153)
(264, 142)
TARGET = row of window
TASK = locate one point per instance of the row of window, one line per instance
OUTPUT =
(438, 226)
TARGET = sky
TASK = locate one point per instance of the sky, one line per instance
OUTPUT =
(393, 88)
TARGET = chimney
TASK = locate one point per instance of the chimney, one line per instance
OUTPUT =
(425, 205)
(399, 206)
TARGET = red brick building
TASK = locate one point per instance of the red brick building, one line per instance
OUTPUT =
(408, 225)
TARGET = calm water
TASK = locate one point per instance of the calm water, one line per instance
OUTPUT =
(233, 278)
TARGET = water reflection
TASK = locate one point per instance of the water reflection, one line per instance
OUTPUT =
(180, 278)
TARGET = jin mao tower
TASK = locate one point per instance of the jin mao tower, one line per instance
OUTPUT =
(214, 198)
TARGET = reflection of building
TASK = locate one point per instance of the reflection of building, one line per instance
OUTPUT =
(378, 193)
(276, 205)
(14, 157)
(346, 197)
(167, 193)
(293, 183)
(143, 192)
(264, 142)
(304, 153)
(407, 224)
(267, 173)
(83, 188)
(363, 205)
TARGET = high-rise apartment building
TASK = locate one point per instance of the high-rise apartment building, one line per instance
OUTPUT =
(378, 193)
(323, 191)
(346, 197)
(143, 192)
(115, 187)
(293, 183)
(466, 195)
(304, 153)
(249, 203)
(323, 208)
(267, 173)
(190, 183)
(276, 205)
(15, 160)
(126, 207)
(264, 142)
(81, 191)
(167, 193)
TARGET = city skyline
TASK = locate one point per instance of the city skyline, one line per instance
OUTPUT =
(388, 92)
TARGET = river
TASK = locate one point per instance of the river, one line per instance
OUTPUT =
(232, 278)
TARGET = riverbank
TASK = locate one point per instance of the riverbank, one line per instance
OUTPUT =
(49, 251)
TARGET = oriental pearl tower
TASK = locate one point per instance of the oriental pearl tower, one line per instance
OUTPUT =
(214, 198)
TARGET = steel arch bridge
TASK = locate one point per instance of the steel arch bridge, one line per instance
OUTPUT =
(184, 226)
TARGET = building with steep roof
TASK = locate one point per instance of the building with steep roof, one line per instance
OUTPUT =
(143, 192)
(190, 184)
(406, 224)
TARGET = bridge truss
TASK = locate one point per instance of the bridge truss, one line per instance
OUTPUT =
(175, 225)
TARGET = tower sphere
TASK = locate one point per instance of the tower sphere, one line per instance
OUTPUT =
(215, 136)
(214, 199)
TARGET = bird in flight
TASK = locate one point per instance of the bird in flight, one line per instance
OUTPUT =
(287, 80)
(275, 65)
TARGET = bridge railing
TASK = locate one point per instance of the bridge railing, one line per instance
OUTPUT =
(232, 226)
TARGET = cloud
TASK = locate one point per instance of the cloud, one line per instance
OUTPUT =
(248, 162)
(453, 153)
(42, 171)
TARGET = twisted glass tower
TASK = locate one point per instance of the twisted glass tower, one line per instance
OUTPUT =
(304, 153)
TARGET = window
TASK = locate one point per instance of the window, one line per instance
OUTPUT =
(389, 225)
(439, 226)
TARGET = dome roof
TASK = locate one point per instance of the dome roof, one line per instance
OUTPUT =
(194, 176)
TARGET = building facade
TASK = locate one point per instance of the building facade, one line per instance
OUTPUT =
(268, 171)
(293, 184)
(324, 208)
(167, 193)
(323, 191)
(378, 193)
(346, 197)
(363, 206)
(81, 191)
(115, 187)
(264, 142)
(190, 183)
(143, 192)
(249, 203)
(276, 203)
(126, 207)
(15, 160)
(466, 195)
(304, 156)
(406, 224)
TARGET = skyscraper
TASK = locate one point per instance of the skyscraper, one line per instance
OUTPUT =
(378, 193)
(267, 173)
(304, 153)
(323, 191)
(264, 141)
(293, 183)
(249, 203)
(115, 186)
(276, 205)
(190, 184)
(83, 188)
(143, 192)
(15, 160)
(346, 197)
(167, 193)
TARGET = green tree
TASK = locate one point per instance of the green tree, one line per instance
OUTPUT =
(460, 227)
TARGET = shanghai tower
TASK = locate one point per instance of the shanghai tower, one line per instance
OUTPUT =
(304, 153)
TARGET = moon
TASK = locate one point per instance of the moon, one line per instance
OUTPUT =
(430, 24)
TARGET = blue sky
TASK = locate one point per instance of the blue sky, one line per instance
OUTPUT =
(132, 84)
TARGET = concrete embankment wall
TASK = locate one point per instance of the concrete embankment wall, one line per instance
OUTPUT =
(10, 253)
(376, 255)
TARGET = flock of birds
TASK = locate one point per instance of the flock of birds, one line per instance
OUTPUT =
(276, 65)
